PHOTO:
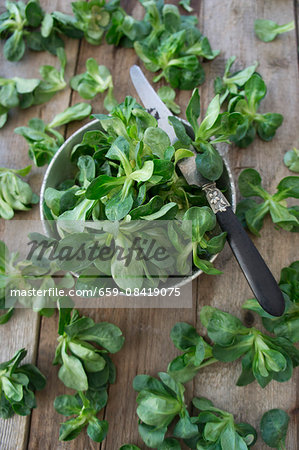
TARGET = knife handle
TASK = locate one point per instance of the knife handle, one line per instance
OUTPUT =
(257, 273)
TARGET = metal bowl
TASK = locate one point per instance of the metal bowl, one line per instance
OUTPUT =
(61, 168)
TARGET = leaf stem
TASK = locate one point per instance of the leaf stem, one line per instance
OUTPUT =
(282, 446)
(208, 362)
(286, 27)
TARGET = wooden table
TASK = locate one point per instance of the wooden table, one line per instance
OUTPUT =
(148, 349)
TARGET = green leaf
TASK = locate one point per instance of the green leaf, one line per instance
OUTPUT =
(5, 317)
(203, 220)
(28, 402)
(119, 205)
(154, 205)
(180, 131)
(291, 159)
(13, 391)
(255, 90)
(186, 5)
(289, 280)
(184, 336)
(97, 429)
(67, 405)
(6, 410)
(255, 217)
(15, 360)
(14, 47)
(9, 96)
(105, 334)
(223, 327)
(203, 404)
(175, 387)
(242, 207)
(67, 24)
(119, 151)
(156, 410)
(182, 368)
(77, 324)
(193, 111)
(102, 185)
(157, 140)
(210, 117)
(34, 13)
(76, 112)
(182, 153)
(110, 101)
(274, 427)
(167, 212)
(144, 173)
(184, 428)
(71, 428)
(219, 428)
(250, 183)
(148, 383)
(93, 362)
(169, 444)
(209, 163)
(93, 29)
(267, 30)
(268, 124)
(97, 79)
(288, 187)
(87, 169)
(47, 25)
(151, 436)
(36, 378)
(216, 243)
(203, 48)
(98, 399)
(3, 119)
(24, 85)
(15, 194)
(167, 95)
(245, 133)
(247, 432)
(242, 76)
(129, 447)
(72, 373)
(281, 216)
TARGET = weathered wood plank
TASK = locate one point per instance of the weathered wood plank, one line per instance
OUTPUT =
(148, 348)
(142, 328)
(296, 13)
(23, 329)
(45, 422)
(229, 27)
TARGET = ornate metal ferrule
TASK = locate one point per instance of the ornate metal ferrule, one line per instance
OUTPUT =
(216, 199)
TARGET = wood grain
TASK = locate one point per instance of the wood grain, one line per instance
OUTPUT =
(233, 33)
(148, 349)
(144, 329)
(296, 14)
(23, 329)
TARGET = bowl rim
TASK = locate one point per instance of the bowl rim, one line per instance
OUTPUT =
(86, 128)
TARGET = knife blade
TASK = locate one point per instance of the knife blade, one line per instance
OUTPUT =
(159, 110)
(257, 273)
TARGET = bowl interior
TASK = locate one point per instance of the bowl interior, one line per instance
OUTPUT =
(62, 168)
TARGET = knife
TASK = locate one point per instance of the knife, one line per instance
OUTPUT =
(257, 273)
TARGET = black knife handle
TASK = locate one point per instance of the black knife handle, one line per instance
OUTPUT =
(257, 273)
